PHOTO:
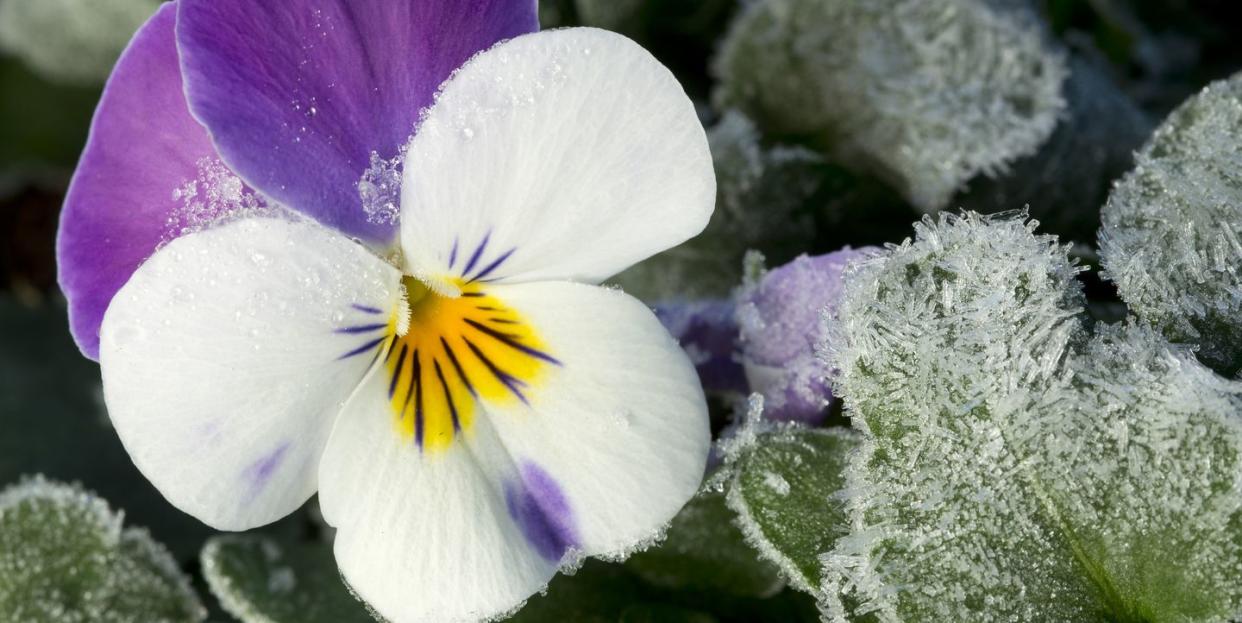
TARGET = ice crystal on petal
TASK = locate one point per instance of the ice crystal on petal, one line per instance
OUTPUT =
(380, 188)
(1011, 470)
(924, 93)
(71, 41)
(1172, 229)
(761, 199)
(216, 194)
(64, 557)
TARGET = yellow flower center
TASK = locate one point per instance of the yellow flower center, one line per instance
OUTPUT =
(448, 353)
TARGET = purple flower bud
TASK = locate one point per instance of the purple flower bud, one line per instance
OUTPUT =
(707, 331)
(780, 322)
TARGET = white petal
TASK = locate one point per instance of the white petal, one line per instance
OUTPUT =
(573, 149)
(224, 362)
(424, 535)
(622, 424)
(604, 447)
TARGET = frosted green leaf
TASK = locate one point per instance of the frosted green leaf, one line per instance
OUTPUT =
(65, 558)
(705, 551)
(147, 585)
(71, 41)
(923, 93)
(1069, 178)
(762, 194)
(259, 580)
(1170, 237)
(1007, 473)
(783, 491)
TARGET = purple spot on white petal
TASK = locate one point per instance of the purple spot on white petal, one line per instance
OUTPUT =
(541, 511)
(260, 472)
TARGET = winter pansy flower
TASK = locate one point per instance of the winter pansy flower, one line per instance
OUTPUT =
(472, 412)
(298, 98)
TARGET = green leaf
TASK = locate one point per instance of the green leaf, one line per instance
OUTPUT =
(705, 551)
(923, 94)
(1172, 229)
(783, 490)
(64, 558)
(261, 580)
(1010, 469)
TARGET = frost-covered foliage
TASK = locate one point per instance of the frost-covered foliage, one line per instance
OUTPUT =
(65, 557)
(779, 318)
(1171, 229)
(704, 551)
(761, 201)
(259, 580)
(924, 93)
(71, 41)
(783, 486)
(1013, 470)
(1068, 179)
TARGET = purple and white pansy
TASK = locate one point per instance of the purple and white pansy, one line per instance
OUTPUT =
(473, 412)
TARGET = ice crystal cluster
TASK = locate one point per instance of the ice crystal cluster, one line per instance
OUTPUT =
(1172, 228)
(1014, 468)
(71, 41)
(761, 200)
(924, 93)
(65, 557)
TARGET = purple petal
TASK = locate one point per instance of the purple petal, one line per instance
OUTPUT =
(299, 94)
(143, 145)
(781, 322)
(541, 511)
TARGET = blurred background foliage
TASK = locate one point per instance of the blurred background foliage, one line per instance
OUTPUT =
(1131, 62)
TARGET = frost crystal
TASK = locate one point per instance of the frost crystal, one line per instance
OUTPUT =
(779, 316)
(71, 41)
(1171, 232)
(1008, 473)
(380, 189)
(761, 199)
(924, 93)
(214, 195)
(64, 557)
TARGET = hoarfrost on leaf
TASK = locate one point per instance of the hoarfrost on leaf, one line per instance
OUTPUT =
(1011, 469)
(1172, 227)
(783, 489)
(64, 557)
(705, 551)
(259, 580)
(923, 93)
